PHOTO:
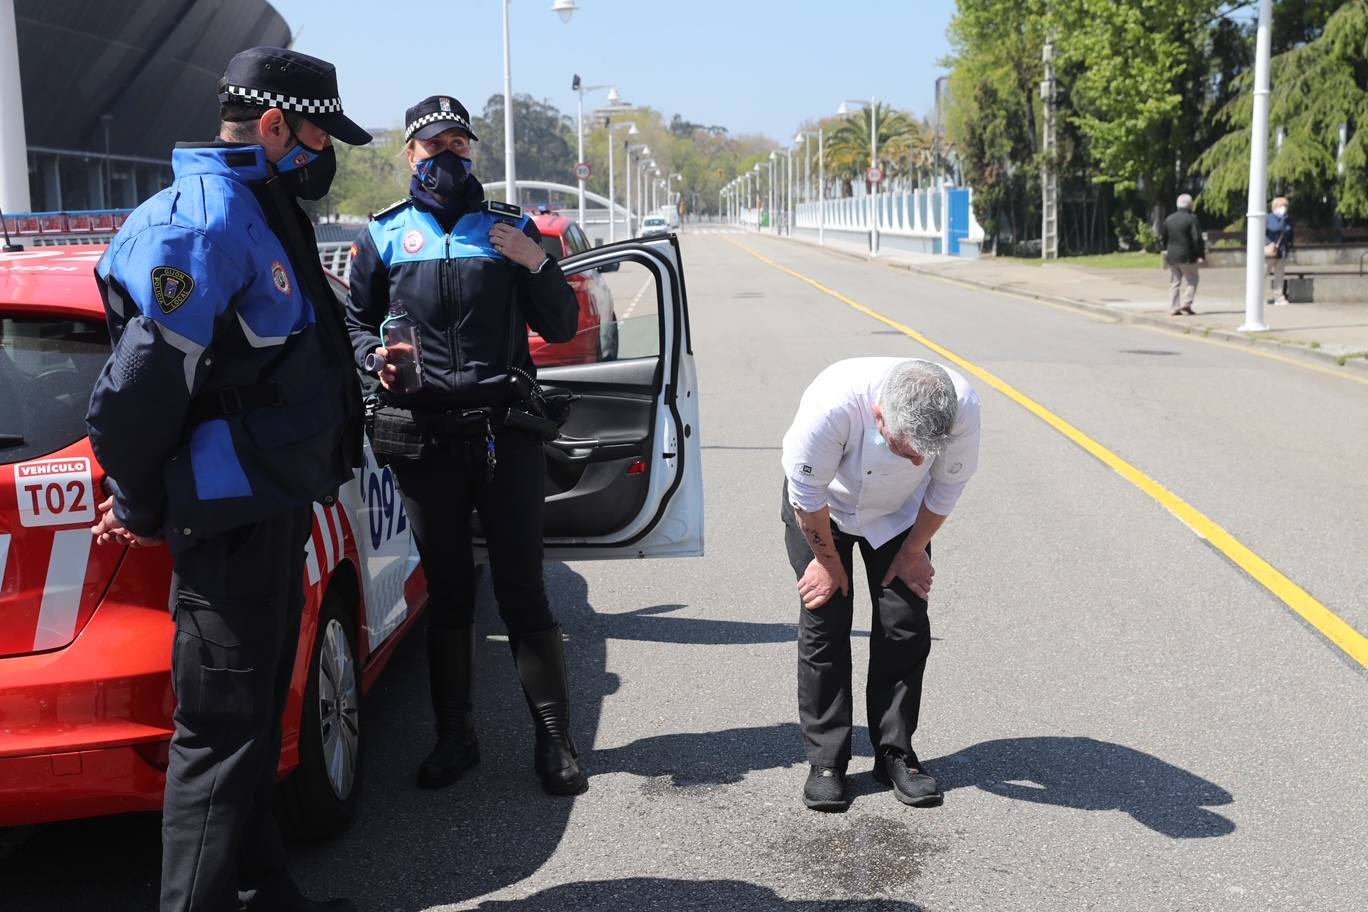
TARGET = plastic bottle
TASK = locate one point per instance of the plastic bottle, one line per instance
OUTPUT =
(400, 335)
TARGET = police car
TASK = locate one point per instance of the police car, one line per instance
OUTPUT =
(85, 634)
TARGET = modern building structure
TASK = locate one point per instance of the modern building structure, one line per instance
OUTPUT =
(105, 88)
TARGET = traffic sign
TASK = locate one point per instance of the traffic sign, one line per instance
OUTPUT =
(582, 171)
(874, 175)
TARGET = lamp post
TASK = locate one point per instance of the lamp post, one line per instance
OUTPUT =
(1258, 177)
(579, 89)
(669, 181)
(773, 193)
(940, 81)
(821, 180)
(563, 8)
(629, 173)
(631, 129)
(788, 207)
(105, 121)
(873, 163)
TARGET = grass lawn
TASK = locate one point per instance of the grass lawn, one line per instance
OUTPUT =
(1129, 260)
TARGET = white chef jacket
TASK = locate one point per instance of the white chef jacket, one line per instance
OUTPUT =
(835, 457)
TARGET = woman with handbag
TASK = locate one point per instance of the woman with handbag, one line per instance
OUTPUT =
(1278, 247)
(444, 286)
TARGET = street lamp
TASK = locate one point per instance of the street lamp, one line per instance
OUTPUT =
(873, 106)
(940, 81)
(632, 130)
(565, 9)
(773, 193)
(629, 173)
(1258, 176)
(821, 181)
(106, 120)
(669, 181)
(579, 89)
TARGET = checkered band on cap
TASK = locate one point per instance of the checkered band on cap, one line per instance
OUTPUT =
(435, 117)
(286, 102)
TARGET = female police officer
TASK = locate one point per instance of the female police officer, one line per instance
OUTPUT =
(471, 276)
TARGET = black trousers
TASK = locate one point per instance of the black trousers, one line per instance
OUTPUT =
(441, 487)
(899, 643)
(237, 601)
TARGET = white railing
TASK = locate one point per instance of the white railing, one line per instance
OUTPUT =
(909, 213)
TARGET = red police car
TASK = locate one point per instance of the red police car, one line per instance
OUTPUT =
(85, 634)
(597, 338)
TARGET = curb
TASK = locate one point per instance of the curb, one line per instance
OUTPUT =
(1358, 365)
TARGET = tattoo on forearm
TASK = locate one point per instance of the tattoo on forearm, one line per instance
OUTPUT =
(822, 546)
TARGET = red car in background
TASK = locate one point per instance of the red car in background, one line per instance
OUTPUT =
(597, 338)
(85, 632)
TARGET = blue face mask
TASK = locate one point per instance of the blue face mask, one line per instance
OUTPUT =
(444, 173)
(308, 172)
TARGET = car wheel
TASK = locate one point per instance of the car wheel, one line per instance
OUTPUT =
(319, 798)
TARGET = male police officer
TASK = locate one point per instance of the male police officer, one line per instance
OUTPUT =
(228, 407)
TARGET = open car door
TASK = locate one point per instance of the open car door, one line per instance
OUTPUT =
(625, 477)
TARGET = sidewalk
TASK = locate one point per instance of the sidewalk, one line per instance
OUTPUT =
(1337, 333)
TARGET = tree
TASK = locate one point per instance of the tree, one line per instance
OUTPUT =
(1315, 87)
(544, 141)
(847, 147)
(369, 177)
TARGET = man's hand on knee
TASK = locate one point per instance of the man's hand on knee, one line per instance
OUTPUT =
(914, 568)
(819, 584)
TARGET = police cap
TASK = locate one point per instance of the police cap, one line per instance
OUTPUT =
(271, 77)
(436, 114)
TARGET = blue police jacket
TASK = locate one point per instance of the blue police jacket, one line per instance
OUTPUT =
(229, 396)
(472, 306)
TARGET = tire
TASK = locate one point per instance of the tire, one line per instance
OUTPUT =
(311, 804)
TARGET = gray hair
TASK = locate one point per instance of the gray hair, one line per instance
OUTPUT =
(919, 403)
(1185, 201)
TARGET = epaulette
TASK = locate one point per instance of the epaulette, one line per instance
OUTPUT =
(506, 210)
(392, 207)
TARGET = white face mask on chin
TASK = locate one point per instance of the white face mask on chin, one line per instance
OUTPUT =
(1280, 211)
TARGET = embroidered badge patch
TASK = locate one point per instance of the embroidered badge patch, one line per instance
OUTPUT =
(301, 159)
(413, 241)
(280, 277)
(355, 250)
(171, 287)
(445, 104)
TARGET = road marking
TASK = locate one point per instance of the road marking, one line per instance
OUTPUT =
(637, 300)
(1341, 373)
(1331, 626)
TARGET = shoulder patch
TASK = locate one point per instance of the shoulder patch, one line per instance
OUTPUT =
(498, 207)
(392, 207)
(171, 287)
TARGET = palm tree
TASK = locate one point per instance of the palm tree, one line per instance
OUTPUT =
(847, 149)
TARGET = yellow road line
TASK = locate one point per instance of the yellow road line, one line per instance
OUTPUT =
(1250, 349)
(1331, 625)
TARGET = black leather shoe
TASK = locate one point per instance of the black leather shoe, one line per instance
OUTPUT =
(451, 662)
(910, 783)
(825, 790)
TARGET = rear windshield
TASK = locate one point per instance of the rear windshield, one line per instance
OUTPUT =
(47, 369)
(655, 221)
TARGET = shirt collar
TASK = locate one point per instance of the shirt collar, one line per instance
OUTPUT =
(237, 161)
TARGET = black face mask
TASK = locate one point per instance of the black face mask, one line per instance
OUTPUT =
(306, 172)
(444, 174)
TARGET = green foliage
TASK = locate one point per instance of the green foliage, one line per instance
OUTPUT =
(1314, 88)
(369, 177)
(544, 141)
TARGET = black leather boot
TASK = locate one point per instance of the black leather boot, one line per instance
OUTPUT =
(540, 659)
(451, 665)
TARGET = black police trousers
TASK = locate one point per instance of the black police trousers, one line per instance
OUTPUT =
(237, 600)
(441, 487)
(899, 643)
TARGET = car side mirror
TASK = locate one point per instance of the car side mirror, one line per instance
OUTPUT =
(610, 267)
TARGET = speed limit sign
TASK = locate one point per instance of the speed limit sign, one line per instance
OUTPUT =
(582, 171)
(874, 175)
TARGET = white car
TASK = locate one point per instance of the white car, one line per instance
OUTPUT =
(654, 226)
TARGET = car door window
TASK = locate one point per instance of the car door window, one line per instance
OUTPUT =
(618, 317)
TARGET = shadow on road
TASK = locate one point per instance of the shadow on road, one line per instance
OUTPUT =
(651, 625)
(1091, 775)
(637, 893)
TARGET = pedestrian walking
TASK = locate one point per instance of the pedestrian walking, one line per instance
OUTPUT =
(1185, 254)
(228, 408)
(1278, 237)
(462, 424)
(876, 458)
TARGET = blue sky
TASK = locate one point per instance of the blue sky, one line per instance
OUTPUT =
(753, 66)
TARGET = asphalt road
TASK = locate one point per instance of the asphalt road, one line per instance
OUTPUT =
(1122, 718)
